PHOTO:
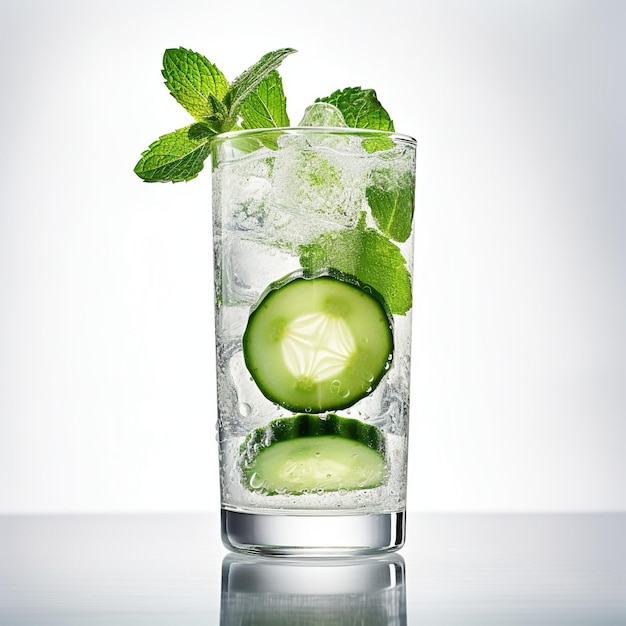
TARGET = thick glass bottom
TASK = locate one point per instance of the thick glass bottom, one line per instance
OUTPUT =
(311, 535)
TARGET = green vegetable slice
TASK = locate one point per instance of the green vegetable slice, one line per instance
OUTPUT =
(308, 454)
(318, 344)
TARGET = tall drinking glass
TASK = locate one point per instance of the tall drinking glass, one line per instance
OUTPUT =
(313, 259)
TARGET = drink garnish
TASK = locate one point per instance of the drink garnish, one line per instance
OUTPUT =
(255, 99)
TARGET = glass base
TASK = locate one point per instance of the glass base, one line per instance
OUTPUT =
(312, 535)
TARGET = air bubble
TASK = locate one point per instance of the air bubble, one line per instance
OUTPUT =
(245, 409)
(256, 482)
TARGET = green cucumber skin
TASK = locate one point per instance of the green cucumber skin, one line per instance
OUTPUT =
(303, 427)
(369, 364)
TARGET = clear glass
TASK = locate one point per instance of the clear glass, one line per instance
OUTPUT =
(313, 245)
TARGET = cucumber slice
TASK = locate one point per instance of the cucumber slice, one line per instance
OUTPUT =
(308, 454)
(318, 344)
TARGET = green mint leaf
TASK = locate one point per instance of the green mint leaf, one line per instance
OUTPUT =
(392, 203)
(377, 144)
(265, 106)
(246, 82)
(368, 256)
(199, 131)
(219, 110)
(195, 82)
(360, 108)
(177, 156)
(323, 114)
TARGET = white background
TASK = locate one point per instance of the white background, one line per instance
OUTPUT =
(107, 398)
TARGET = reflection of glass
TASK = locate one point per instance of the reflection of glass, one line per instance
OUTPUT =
(313, 252)
(260, 591)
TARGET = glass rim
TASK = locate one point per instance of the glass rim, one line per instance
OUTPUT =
(329, 130)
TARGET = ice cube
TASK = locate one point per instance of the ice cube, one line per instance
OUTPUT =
(244, 186)
(316, 188)
(323, 114)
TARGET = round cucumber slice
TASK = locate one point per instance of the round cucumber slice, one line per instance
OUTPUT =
(318, 344)
(309, 454)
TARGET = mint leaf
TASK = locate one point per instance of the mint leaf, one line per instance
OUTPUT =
(368, 256)
(360, 108)
(265, 106)
(248, 80)
(176, 156)
(392, 203)
(195, 82)
(376, 144)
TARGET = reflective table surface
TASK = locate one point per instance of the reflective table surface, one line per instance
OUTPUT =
(456, 569)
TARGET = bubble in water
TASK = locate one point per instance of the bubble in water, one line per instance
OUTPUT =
(337, 388)
(256, 482)
(245, 409)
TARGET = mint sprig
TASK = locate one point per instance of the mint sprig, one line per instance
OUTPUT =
(217, 106)
(255, 99)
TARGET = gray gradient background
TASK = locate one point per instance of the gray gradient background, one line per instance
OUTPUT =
(107, 398)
